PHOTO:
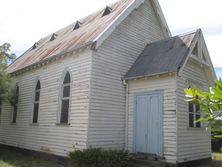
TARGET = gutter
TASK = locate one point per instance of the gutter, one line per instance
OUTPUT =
(151, 75)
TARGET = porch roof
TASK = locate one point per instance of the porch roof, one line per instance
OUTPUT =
(163, 56)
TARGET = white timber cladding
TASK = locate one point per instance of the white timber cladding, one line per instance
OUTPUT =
(166, 83)
(47, 136)
(109, 65)
(192, 143)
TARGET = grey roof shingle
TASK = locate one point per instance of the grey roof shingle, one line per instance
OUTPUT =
(162, 56)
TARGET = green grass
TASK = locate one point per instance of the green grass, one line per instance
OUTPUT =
(10, 158)
(217, 156)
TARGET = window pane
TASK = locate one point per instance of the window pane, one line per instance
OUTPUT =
(35, 113)
(191, 120)
(67, 78)
(14, 114)
(198, 123)
(38, 86)
(66, 91)
(0, 107)
(64, 111)
(190, 107)
(37, 95)
(16, 95)
(197, 108)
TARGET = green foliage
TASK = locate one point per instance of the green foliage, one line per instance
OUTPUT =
(96, 157)
(210, 102)
(5, 58)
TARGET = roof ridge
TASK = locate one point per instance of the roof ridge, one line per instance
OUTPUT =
(93, 25)
(176, 36)
(80, 20)
(189, 32)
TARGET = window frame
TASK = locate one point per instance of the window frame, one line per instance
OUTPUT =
(61, 98)
(15, 107)
(195, 113)
(190, 83)
(36, 102)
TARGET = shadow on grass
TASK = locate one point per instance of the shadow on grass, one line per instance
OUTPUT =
(9, 158)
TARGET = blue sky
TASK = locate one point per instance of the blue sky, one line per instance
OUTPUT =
(29, 20)
(218, 72)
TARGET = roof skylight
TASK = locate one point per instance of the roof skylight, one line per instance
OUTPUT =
(53, 37)
(77, 25)
(107, 11)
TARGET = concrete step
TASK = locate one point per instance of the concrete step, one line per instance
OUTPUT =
(149, 160)
(149, 163)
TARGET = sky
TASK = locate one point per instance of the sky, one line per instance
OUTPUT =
(24, 22)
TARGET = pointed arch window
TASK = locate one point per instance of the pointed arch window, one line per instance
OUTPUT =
(15, 106)
(36, 102)
(65, 99)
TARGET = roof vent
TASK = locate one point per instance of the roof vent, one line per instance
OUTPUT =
(77, 25)
(53, 37)
(35, 46)
(107, 11)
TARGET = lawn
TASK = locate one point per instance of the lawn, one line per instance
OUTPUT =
(16, 159)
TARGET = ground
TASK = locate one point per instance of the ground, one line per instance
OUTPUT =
(212, 164)
(217, 161)
(16, 159)
(10, 158)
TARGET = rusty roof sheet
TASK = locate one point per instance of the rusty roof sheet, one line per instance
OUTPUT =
(67, 38)
(162, 56)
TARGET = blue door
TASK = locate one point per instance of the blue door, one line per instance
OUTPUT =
(148, 123)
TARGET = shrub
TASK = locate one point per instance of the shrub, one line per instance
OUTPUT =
(216, 143)
(95, 157)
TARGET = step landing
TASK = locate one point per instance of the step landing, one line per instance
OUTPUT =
(149, 160)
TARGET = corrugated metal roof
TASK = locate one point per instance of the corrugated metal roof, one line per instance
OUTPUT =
(68, 38)
(162, 57)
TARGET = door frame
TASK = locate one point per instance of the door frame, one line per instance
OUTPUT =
(160, 92)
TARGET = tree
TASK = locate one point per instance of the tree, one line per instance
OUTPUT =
(6, 57)
(210, 102)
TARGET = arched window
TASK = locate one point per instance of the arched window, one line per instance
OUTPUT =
(15, 107)
(36, 102)
(65, 98)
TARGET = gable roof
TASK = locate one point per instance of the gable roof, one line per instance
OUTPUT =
(89, 31)
(163, 56)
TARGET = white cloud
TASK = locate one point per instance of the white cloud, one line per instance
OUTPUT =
(187, 15)
(214, 46)
(24, 22)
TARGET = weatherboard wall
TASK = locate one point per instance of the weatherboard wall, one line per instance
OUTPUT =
(110, 63)
(192, 143)
(47, 136)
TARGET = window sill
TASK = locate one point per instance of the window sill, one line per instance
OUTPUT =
(63, 124)
(34, 124)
